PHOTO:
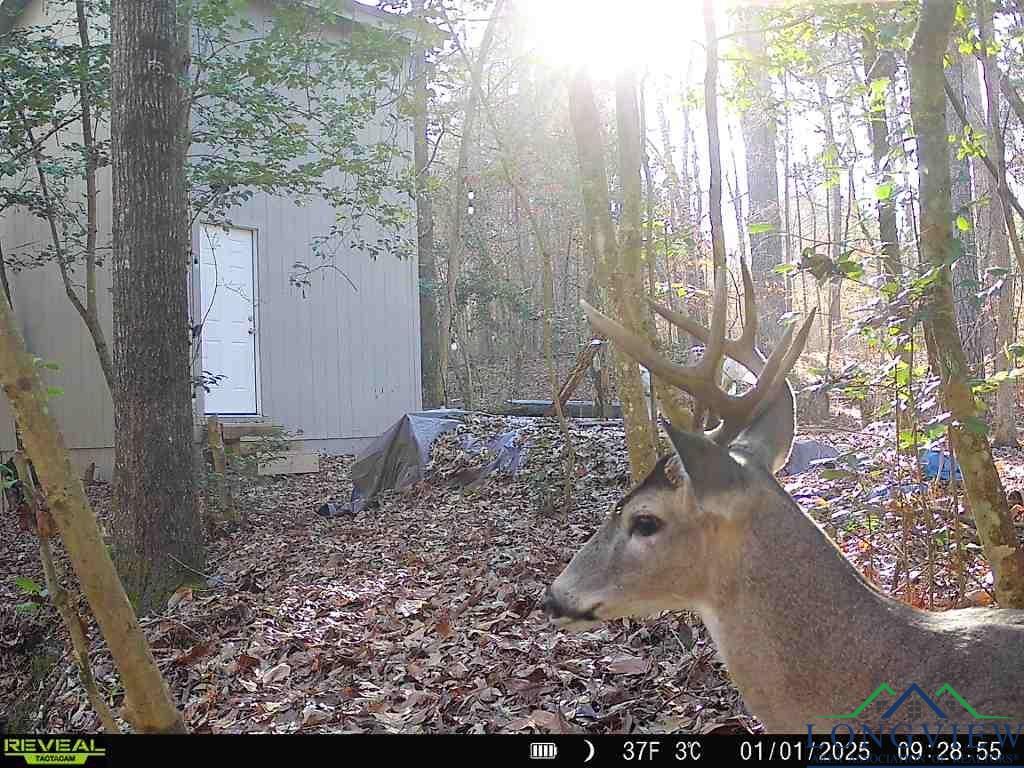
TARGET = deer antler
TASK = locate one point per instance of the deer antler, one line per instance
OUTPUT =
(700, 380)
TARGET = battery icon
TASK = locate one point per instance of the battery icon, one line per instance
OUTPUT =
(543, 750)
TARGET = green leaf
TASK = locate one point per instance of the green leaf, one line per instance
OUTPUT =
(760, 228)
(54, 391)
(26, 608)
(784, 269)
(963, 224)
(27, 586)
(884, 191)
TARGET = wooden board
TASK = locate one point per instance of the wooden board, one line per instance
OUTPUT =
(233, 432)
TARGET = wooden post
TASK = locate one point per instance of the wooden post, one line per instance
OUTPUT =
(579, 370)
(215, 438)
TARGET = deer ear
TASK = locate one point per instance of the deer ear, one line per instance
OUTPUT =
(708, 466)
(769, 438)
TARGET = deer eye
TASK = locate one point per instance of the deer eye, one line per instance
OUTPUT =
(645, 525)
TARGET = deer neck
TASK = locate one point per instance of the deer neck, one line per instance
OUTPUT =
(792, 618)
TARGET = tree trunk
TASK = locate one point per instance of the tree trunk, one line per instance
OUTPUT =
(626, 282)
(88, 309)
(148, 703)
(972, 102)
(966, 191)
(736, 198)
(1001, 229)
(457, 244)
(430, 342)
(679, 206)
(967, 434)
(672, 402)
(881, 65)
(764, 221)
(159, 539)
(834, 215)
(681, 192)
(586, 122)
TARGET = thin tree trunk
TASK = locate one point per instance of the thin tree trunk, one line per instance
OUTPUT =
(671, 399)
(693, 268)
(586, 123)
(967, 433)
(714, 142)
(568, 455)
(65, 604)
(736, 197)
(457, 243)
(87, 311)
(92, 319)
(881, 65)
(968, 186)
(764, 222)
(430, 342)
(718, 255)
(148, 703)
(834, 217)
(787, 202)
(1003, 231)
(159, 538)
(679, 208)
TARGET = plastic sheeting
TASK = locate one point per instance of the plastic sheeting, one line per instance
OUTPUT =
(398, 458)
(939, 464)
(807, 453)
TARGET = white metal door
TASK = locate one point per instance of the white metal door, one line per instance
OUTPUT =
(228, 304)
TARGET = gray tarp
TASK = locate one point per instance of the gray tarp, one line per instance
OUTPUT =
(398, 458)
(805, 453)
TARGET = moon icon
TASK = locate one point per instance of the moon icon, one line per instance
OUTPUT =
(592, 751)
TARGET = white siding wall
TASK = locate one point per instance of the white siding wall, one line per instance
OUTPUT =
(335, 364)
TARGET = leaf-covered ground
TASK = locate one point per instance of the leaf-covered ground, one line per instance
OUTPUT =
(420, 614)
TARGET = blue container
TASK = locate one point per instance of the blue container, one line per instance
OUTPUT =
(939, 464)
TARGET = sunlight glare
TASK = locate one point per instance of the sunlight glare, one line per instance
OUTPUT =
(610, 35)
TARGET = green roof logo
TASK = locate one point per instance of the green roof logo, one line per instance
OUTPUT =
(914, 690)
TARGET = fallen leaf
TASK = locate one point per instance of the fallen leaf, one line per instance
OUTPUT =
(193, 654)
(312, 715)
(275, 674)
(629, 665)
(181, 595)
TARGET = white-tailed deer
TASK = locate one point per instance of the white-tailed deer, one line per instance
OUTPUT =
(806, 638)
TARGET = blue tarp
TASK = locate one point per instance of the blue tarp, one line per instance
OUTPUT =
(939, 464)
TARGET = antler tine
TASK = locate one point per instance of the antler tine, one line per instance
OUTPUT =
(748, 357)
(748, 338)
(749, 406)
(715, 344)
(700, 380)
(691, 379)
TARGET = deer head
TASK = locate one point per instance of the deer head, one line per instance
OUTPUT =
(668, 542)
(802, 632)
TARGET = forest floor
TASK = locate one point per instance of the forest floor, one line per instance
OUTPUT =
(421, 614)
